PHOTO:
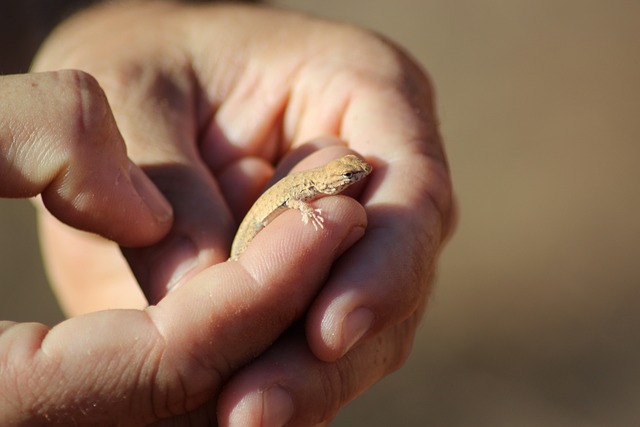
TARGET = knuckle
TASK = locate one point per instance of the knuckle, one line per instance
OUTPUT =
(339, 384)
(85, 105)
(400, 343)
(365, 63)
(87, 144)
(378, 61)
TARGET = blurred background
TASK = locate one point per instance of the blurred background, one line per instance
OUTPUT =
(535, 316)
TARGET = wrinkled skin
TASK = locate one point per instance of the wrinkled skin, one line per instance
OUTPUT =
(207, 99)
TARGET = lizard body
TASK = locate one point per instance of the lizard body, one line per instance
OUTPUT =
(294, 192)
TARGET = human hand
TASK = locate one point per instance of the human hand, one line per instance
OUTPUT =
(58, 139)
(133, 367)
(208, 98)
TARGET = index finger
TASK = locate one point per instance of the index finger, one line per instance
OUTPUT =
(58, 138)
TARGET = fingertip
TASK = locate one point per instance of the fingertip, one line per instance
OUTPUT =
(272, 407)
(277, 407)
(335, 331)
(134, 215)
(153, 199)
(354, 327)
(355, 233)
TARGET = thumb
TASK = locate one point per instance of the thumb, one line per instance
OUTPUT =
(130, 367)
(58, 138)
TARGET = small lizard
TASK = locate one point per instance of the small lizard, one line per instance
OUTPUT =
(294, 191)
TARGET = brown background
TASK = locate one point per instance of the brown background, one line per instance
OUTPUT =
(534, 319)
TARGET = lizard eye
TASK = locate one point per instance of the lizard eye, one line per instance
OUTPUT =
(347, 175)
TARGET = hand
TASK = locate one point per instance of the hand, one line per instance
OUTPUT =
(207, 99)
(58, 138)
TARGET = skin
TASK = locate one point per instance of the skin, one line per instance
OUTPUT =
(166, 363)
(207, 99)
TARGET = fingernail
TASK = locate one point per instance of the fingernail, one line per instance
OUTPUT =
(277, 407)
(184, 263)
(355, 326)
(150, 194)
(354, 235)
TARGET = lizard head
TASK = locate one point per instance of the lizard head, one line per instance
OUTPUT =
(345, 171)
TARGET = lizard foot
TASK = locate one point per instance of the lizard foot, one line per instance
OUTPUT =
(316, 218)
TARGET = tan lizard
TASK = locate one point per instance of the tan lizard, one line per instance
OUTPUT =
(294, 191)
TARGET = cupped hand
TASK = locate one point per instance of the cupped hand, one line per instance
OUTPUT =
(133, 367)
(208, 98)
